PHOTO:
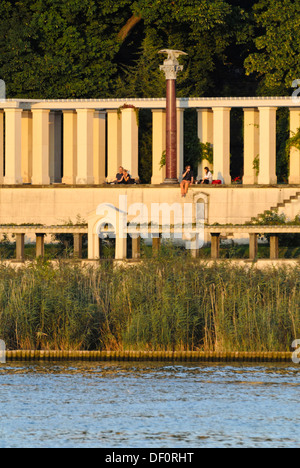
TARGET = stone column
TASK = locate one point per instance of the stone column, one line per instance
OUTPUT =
(55, 146)
(85, 150)
(158, 145)
(253, 246)
(20, 247)
(251, 145)
(267, 146)
(205, 135)
(215, 246)
(180, 142)
(130, 142)
(13, 146)
(295, 153)
(99, 147)
(40, 245)
(114, 143)
(171, 68)
(1, 147)
(69, 147)
(274, 247)
(26, 147)
(40, 151)
(121, 248)
(221, 130)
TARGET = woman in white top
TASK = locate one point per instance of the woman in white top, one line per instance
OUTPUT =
(207, 177)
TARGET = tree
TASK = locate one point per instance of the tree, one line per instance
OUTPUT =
(276, 60)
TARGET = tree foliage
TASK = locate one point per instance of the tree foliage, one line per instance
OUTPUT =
(277, 40)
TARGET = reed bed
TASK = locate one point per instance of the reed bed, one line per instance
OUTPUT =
(169, 303)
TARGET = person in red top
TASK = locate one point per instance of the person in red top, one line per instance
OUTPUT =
(187, 180)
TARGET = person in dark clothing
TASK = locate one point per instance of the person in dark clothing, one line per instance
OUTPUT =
(119, 176)
(125, 178)
(187, 180)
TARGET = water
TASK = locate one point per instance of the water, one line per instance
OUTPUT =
(145, 405)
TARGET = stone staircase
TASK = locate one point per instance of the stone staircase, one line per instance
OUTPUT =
(280, 207)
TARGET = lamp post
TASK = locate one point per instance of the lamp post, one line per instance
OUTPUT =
(171, 67)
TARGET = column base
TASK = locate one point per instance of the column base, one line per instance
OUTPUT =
(69, 180)
(249, 180)
(12, 181)
(268, 181)
(170, 182)
(40, 182)
(85, 181)
(294, 180)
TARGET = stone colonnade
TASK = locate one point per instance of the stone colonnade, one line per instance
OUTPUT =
(85, 146)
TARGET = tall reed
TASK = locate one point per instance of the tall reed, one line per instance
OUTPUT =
(167, 303)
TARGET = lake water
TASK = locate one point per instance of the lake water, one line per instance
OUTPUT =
(148, 405)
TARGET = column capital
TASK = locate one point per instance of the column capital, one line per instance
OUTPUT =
(12, 110)
(204, 109)
(69, 111)
(268, 108)
(40, 111)
(222, 108)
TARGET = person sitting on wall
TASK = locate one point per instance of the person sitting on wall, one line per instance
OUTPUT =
(126, 179)
(119, 176)
(207, 177)
(187, 180)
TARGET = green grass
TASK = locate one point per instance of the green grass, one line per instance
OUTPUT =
(166, 303)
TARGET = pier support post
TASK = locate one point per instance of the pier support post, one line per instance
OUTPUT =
(215, 245)
(136, 248)
(40, 245)
(77, 245)
(253, 246)
(156, 243)
(274, 247)
(20, 247)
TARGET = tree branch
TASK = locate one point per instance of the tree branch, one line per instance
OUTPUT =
(126, 30)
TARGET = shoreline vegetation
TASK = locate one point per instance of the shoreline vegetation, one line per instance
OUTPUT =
(169, 303)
